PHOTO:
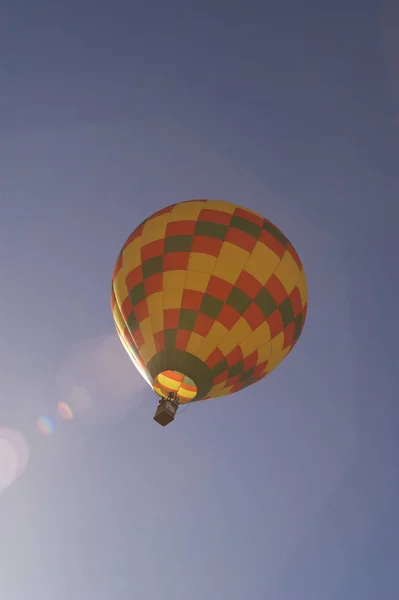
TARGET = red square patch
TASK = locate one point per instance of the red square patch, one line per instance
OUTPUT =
(248, 284)
(296, 301)
(182, 339)
(254, 316)
(180, 228)
(192, 299)
(220, 378)
(214, 358)
(248, 216)
(153, 284)
(250, 361)
(134, 277)
(271, 242)
(219, 288)
(171, 318)
(232, 381)
(176, 261)
(276, 289)
(241, 239)
(214, 216)
(126, 308)
(228, 316)
(138, 338)
(234, 357)
(152, 249)
(141, 311)
(203, 324)
(275, 322)
(206, 245)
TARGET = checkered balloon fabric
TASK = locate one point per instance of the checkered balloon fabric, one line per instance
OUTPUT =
(207, 298)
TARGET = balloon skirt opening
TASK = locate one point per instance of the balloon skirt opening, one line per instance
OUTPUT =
(174, 381)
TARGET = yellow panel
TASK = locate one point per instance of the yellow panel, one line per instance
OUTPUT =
(119, 321)
(186, 395)
(194, 343)
(237, 334)
(226, 207)
(215, 335)
(120, 289)
(260, 336)
(202, 263)
(278, 342)
(264, 372)
(303, 288)
(154, 229)
(262, 262)
(132, 255)
(218, 386)
(173, 282)
(288, 272)
(156, 321)
(147, 351)
(230, 262)
(146, 329)
(168, 382)
(121, 294)
(278, 354)
(186, 211)
(264, 353)
(154, 303)
(276, 359)
(219, 393)
(196, 281)
(172, 299)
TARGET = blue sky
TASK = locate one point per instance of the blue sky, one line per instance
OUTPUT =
(288, 490)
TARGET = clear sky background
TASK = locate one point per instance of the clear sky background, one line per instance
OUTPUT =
(108, 111)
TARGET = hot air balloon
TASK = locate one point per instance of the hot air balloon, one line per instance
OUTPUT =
(208, 298)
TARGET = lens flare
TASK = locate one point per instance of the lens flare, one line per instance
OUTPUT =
(14, 456)
(45, 426)
(65, 411)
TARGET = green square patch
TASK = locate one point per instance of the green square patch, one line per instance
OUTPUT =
(170, 336)
(246, 375)
(132, 322)
(266, 302)
(214, 230)
(286, 311)
(152, 266)
(211, 306)
(248, 383)
(274, 232)
(137, 294)
(236, 369)
(246, 226)
(178, 243)
(220, 368)
(187, 319)
(239, 300)
(298, 326)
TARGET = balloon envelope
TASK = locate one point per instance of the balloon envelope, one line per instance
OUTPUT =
(207, 298)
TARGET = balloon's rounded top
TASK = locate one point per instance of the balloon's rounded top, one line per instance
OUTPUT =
(208, 298)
